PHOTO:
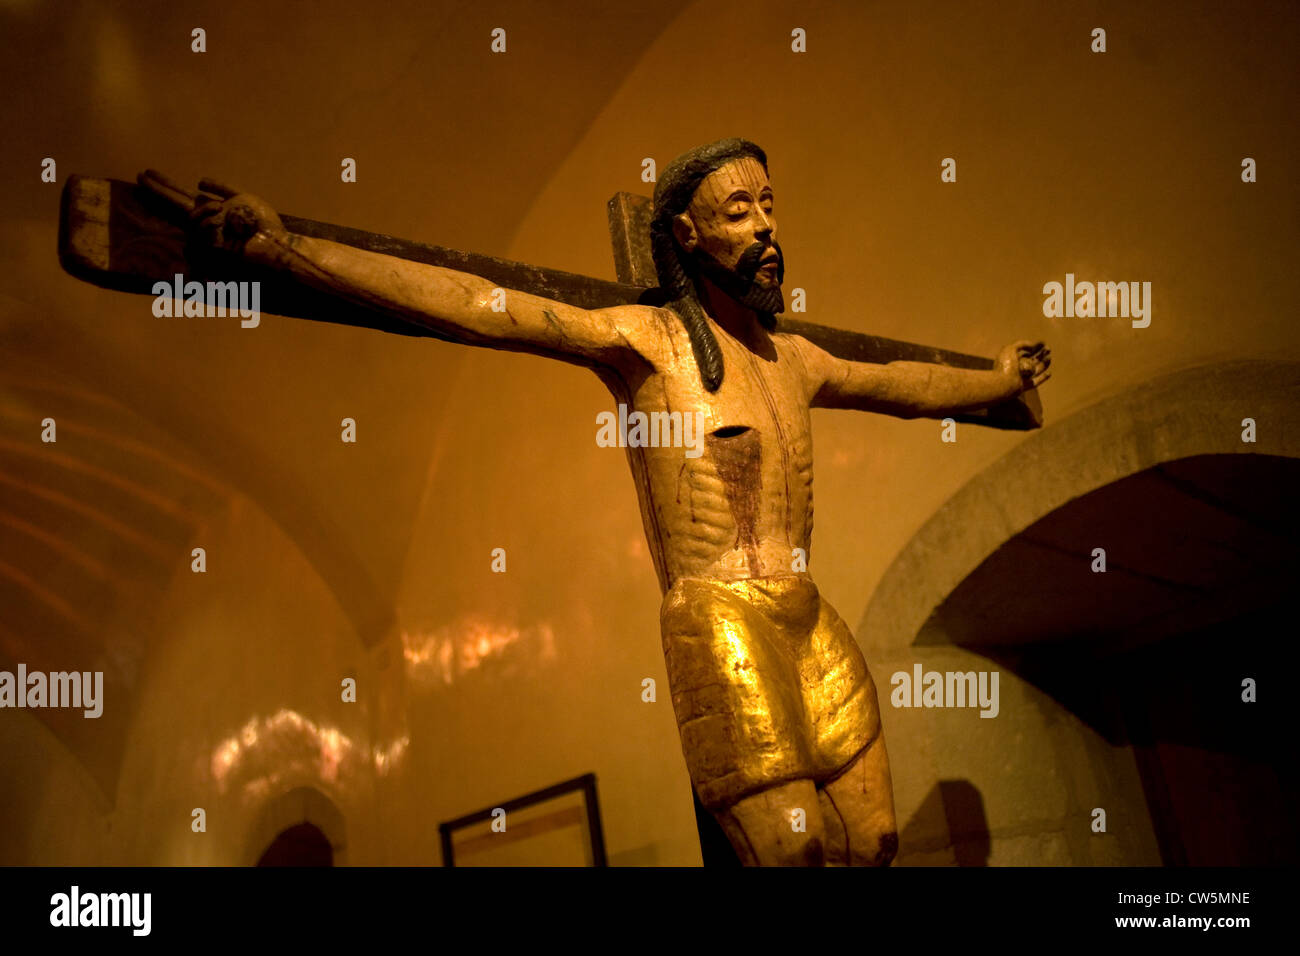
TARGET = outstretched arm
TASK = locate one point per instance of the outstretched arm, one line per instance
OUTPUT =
(458, 305)
(921, 389)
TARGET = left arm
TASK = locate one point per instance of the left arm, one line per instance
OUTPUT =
(921, 389)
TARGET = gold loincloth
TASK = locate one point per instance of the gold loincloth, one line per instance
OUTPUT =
(768, 685)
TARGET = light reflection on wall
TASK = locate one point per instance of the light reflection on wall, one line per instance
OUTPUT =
(268, 751)
(388, 757)
(449, 652)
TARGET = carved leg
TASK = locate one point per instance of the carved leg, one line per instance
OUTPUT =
(859, 809)
(761, 830)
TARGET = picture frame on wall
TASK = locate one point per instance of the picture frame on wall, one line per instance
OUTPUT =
(556, 826)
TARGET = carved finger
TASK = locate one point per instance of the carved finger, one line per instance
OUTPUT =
(165, 188)
(218, 188)
(204, 208)
(1041, 378)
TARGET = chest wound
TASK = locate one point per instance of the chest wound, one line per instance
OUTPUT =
(738, 457)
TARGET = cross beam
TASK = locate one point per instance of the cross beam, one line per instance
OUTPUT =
(119, 236)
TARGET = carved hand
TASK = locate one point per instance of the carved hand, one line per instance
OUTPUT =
(224, 218)
(1025, 364)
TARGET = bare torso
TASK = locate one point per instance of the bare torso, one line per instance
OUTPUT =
(742, 507)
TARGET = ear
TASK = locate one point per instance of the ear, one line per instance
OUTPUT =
(684, 232)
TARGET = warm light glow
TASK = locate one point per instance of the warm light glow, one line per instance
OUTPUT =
(268, 751)
(449, 652)
(390, 756)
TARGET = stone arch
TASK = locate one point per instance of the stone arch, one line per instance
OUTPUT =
(1195, 411)
(300, 805)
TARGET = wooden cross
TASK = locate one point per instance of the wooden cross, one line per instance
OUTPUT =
(119, 236)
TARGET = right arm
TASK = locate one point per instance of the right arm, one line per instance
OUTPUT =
(457, 305)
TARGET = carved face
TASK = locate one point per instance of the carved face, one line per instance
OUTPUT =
(730, 231)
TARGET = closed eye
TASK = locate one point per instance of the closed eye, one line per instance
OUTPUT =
(741, 213)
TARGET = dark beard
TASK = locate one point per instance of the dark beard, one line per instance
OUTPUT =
(741, 283)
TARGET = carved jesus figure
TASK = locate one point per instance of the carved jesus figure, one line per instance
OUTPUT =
(778, 715)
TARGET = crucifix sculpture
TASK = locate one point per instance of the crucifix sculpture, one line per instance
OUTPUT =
(778, 715)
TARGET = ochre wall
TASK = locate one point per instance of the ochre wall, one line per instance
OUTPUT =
(372, 560)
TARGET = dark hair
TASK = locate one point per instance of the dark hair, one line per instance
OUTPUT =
(677, 275)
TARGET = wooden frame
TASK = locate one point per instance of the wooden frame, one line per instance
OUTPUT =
(586, 785)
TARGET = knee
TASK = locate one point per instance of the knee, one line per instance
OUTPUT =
(802, 850)
(887, 849)
(872, 837)
(810, 853)
(765, 831)
(877, 847)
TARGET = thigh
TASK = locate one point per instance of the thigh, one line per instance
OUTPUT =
(862, 799)
(839, 695)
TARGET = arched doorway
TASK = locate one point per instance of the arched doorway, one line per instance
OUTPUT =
(1122, 690)
(1202, 558)
(1193, 412)
(302, 844)
(301, 827)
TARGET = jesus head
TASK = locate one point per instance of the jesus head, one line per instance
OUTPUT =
(713, 220)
